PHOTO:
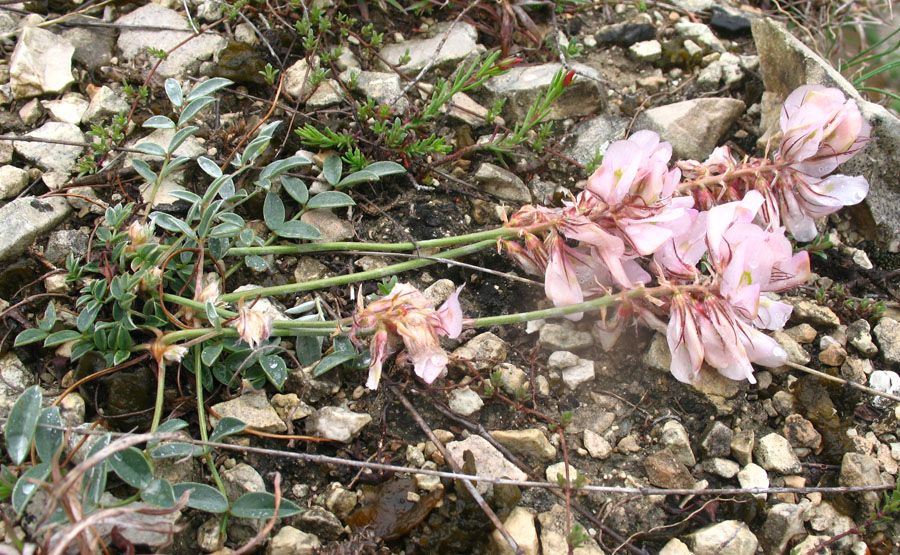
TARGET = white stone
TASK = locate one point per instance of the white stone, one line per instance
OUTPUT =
(489, 462)
(465, 402)
(27, 217)
(68, 109)
(754, 476)
(731, 537)
(254, 410)
(51, 156)
(774, 452)
(290, 541)
(40, 64)
(133, 43)
(597, 445)
(12, 181)
(104, 104)
(885, 381)
(456, 44)
(520, 525)
(337, 423)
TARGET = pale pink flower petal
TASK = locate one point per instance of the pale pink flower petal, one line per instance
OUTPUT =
(450, 316)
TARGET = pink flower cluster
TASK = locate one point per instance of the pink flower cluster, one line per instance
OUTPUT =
(635, 222)
(820, 130)
(406, 315)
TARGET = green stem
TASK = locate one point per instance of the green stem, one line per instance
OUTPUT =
(595, 304)
(363, 276)
(376, 247)
(160, 391)
(201, 417)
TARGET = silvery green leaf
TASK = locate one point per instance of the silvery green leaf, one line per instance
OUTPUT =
(143, 168)
(47, 436)
(333, 168)
(296, 188)
(357, 177)
(180, 136)
(151, 148)
(330, 199)
(22, 421)
(193, 107)
(273, 211)
(208, 87)
(297, 230)
(211, 168)
(385, 168)
(159, 122)
(173, 91)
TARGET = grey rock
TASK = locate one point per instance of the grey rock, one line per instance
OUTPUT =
(597, 445)
(40, 64)
(489, 462)
(520, 525)
(134, 42)
(530, 442)
(484, 351)
(6, 152)
(340, 501)
(802, 333)
(731, 537)
(856, 369)
(459, 42)
(243, 32)
(503, 184)
(290, 541)
(723, 468)
(105, 104)
(694, 127)
(240, 480)
(93, 45)
(254, 410)
(557, 472)
(563, 336)
(25, 218)
(178, 470)
(337, 423)
(16, 379)
(861, 470)
(209, 535)
(787, 63)
(754, 476)
(664, 471)
(860, 338)
(625, 34)
(784, 403)
(727, 70)
(800, 432)
(290, 407)
(522, 85)
(384, 88)
(592, 137)
(68, 109)
(675, 438)
(742, 446)
(716, 440)
(773, 452)
(296, 79)
(309, 269)
(512, 378)
(52, 157)
(328, 93)
(701, 34)
(885, 381)
(553, 534)
(414, 456)
(887, 334)
(783, 522)
(71, 409)
(321, 523)
(575, 371)
(811, 313)
(825, 519)
(329, 225)
(814, 544)
(675, 547)
(439, 291)
(209, 10)
(12, 181)
(646, 51)
(465, 402)
(658, 356)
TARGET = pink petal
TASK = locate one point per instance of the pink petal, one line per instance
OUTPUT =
(450, 315)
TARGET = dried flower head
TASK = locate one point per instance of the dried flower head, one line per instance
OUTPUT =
(406, 315)
(253, 326)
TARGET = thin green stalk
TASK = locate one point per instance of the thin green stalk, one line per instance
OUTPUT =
(361, 276)
(595, 304)
(375, 247)
(160, 391)
(201, 417)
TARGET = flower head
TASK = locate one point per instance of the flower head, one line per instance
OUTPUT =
(163, 352)
(821, 129)
(253, 326)
(406, 315)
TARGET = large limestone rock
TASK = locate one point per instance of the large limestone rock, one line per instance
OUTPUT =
(459, 42)
(787, 63)
(27, 217)
(694, 127)
(40, 64)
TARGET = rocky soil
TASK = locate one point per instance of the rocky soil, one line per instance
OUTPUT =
(700, 77)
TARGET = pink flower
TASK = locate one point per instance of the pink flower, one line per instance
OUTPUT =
(821, 130)
(253, 326)
(406, 314)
